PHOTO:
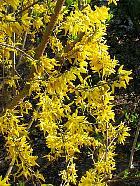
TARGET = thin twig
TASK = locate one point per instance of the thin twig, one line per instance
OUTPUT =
(10, 169)
(106, 142)
(108, 148)
(14, 55)
(32, 120)
(18, 49)
(23, 46)
(26, 8)
(134, 146)
(80, 4)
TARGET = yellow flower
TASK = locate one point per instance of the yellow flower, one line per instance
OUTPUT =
(39, 8)
(13, 3)
(9, 17)
(3, 181)
(112, 1)
(38, 23)
(123, 132)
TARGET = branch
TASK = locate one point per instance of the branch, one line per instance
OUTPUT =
(18, 49)
(134, 146)
(41, 48)
(10, 168)
(106, 153)
(39, 52)
(26, 8)
(108, 148)
(72, 45)
(23, 46)
(80, 3)
(32, 120)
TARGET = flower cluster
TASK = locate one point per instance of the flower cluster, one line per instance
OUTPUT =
(73, 107)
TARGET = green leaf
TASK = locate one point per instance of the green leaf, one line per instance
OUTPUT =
(138, 146)
(21, 183)
(126, 173)
(69, 2)
(87, 1)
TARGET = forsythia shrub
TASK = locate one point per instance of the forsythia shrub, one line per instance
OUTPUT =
(51, 51)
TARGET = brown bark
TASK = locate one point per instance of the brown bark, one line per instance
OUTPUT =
(39, 52)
